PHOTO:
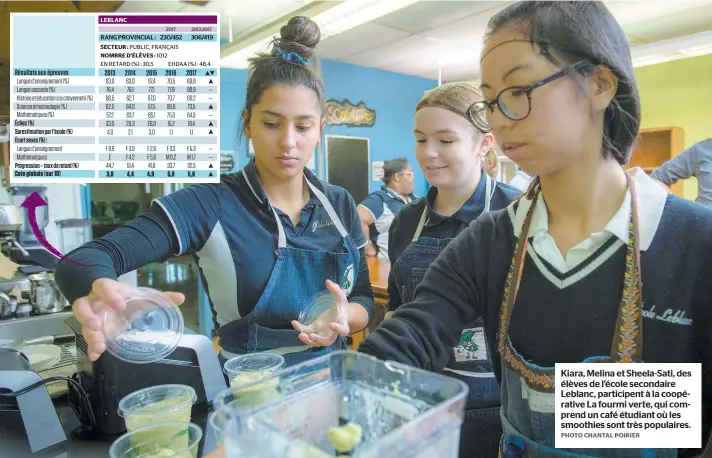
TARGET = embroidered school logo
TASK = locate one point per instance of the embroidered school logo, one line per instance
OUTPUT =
(320, 224)
(471, 346)
(347, 281)
(670, 316)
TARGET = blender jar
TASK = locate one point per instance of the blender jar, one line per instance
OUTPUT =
(73, 233)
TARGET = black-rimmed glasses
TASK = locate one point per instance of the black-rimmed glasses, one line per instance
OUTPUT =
(514, 102)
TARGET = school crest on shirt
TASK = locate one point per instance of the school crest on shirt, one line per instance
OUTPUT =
(471, 346)
(347, 281)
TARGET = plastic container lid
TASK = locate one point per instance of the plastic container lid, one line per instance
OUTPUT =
(319, 313)
(147, 330)
(253, 363)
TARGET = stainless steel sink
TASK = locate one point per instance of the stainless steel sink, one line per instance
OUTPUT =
(36, 326)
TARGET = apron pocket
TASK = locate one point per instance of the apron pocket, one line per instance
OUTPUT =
(279, 341)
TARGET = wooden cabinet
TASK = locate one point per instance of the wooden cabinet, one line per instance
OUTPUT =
(656, 146)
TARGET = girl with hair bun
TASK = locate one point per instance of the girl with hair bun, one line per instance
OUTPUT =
(460, 163)
(266, 238)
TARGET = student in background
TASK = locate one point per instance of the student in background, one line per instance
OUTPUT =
(253, 235)
(459, 162)
(379, 208)
(696, 161)
(594, 263)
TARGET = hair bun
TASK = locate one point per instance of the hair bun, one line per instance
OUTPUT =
(300, 35)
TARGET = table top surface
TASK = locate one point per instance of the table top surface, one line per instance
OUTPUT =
(15, 445)
(379, 269)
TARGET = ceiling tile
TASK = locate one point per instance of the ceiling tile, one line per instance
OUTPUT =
(413, 68)
(406, 69)
(461, 73)
(426, 15)
(358, 40)
(673, 25)
(456, 72)
(430, 63)
(211, 7)
(466, 32)
(249, 16)
(633, 11)
(634, 41)
(149, 7)
(411, 48)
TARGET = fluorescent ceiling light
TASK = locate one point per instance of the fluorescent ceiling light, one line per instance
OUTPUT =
(337, 19)
(650, 60)
(695, 51)
(352, 13)
(697, 44)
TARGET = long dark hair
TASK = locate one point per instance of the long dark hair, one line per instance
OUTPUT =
(567, 32)
(285, 64)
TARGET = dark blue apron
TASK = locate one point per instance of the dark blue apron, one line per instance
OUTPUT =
(470, 360)
(528, 398)
(296, 277)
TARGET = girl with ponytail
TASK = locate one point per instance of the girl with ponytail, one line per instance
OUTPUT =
(460, 162)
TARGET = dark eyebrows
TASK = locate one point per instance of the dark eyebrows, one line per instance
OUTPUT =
(507, 74)
(441, 131)
(514, 69)
(279, 115)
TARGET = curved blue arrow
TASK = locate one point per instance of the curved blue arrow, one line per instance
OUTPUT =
(33, 201)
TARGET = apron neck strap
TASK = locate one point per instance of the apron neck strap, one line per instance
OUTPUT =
(421, 224)
(627, 346)
(282, 239)
(489, 192)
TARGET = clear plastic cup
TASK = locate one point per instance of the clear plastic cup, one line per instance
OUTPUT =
(162, 440)
(251, 367)
(216, 421)
(245, 370)
(322, 310)
(147, 330)
(157, 404)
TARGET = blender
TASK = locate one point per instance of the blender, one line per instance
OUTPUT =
(73, 233)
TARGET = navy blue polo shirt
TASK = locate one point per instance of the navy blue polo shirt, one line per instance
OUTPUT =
(383, 204)
(438, 226)
(232, 231)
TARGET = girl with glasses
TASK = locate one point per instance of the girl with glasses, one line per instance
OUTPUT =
(593, 263)
(460, 162)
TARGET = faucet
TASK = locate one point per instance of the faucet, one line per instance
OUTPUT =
(8, 305)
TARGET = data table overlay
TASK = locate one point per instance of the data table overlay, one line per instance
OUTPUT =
(114, 98)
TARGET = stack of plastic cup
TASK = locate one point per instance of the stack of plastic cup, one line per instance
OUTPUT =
(147, 330)
(157, 404)
(161, 440)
